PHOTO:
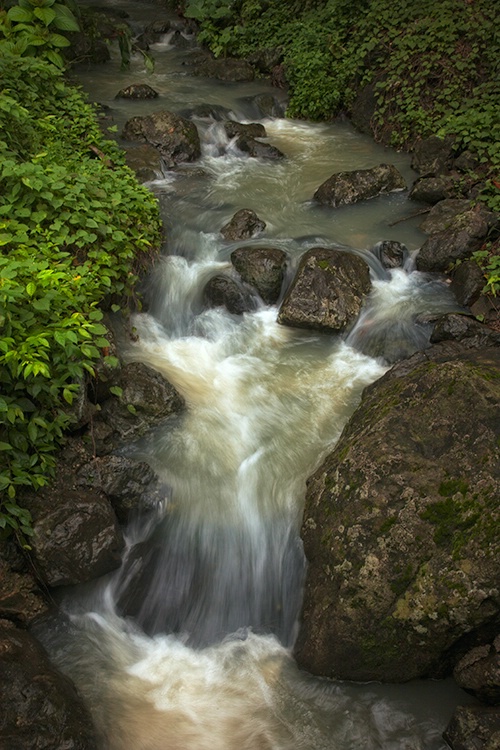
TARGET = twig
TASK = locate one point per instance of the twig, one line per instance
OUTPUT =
(411, 216)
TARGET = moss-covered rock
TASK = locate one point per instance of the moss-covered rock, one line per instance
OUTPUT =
(401, 523)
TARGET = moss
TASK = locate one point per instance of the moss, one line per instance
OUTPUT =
(324, 265)
(453, 520)
(451, 487)
(387, 524)
(401, 583)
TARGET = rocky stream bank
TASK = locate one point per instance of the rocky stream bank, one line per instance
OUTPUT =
(400, 526)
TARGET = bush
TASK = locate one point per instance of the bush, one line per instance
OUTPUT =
(74, 224)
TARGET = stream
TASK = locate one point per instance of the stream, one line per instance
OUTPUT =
(189, 645)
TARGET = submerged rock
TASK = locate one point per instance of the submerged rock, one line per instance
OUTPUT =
(244, 225)
(175, 137)
(263, 268)
(401, 524)
(343, 188)
(137, 91)
(41, 709)
(222, 291)
(327, 292)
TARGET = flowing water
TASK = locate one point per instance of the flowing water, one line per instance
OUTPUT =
(189, 645)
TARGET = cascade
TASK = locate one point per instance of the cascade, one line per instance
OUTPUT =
(189, 645)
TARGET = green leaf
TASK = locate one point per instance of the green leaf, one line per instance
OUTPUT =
(21, 15)
(5, 446)
(46, 15)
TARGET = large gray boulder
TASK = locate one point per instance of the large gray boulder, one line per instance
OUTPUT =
(478, 672)
(474, 728)
(328, 291)
(343, 188)
(401, 524)
(41, 709)
(175, 137)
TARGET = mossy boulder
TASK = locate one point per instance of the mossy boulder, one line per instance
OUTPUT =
(401, 524)
(343, 188)
(175, 137)
(327, 292)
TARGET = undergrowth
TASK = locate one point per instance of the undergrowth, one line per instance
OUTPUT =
(74, 224)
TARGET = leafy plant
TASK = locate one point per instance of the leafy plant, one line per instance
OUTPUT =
(74, 225)
(31, 28)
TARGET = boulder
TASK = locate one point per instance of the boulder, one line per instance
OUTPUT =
(467, 282)
(444, 214)
(401, 524)
(146, 162)
(76, 536)
(257, 149)
(463, 328)
(222, 291)
(244, 225)
(432, 156)
(249, 130)
(434, 189)
(343, 188)
(466, 233)
(392, 254)
(264, 60)
(21, 599)
(478, 672)
(146, 399)
(130, 485)
(225, 69)
(175, 137)
(269, 106)
(41, 709)
(137, 91)
(153, 33)
(263, 268)
(327, 292)
(474, 728)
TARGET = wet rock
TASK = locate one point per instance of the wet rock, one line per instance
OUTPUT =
(434, 189)
(478, 672)
(153, 33)
(269, 106)
(244, 225)
(391, 254)
(327, 292)
(474, 728)
(278, 77)
(467, 233)
(470, 332)
(263, 268)
(76, 536)
(175, 137)
(350, 187)
(146, 400)
(225, 69)
(251, 129)
(467, 282)
(444, 215)
(264, 60)
(215, 112)
(400, 524)
(257, 149)
(432, 156)
(130, 485)
(466, 162)
(21, 599)
(222, 291)
(145, 161)
(41, 709)
(137, 91)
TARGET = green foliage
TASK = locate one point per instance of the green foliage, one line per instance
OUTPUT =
(74, 224)
(435, 67)
(32, 28)
(488, 258)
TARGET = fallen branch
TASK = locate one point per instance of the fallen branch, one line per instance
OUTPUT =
(411, 216)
